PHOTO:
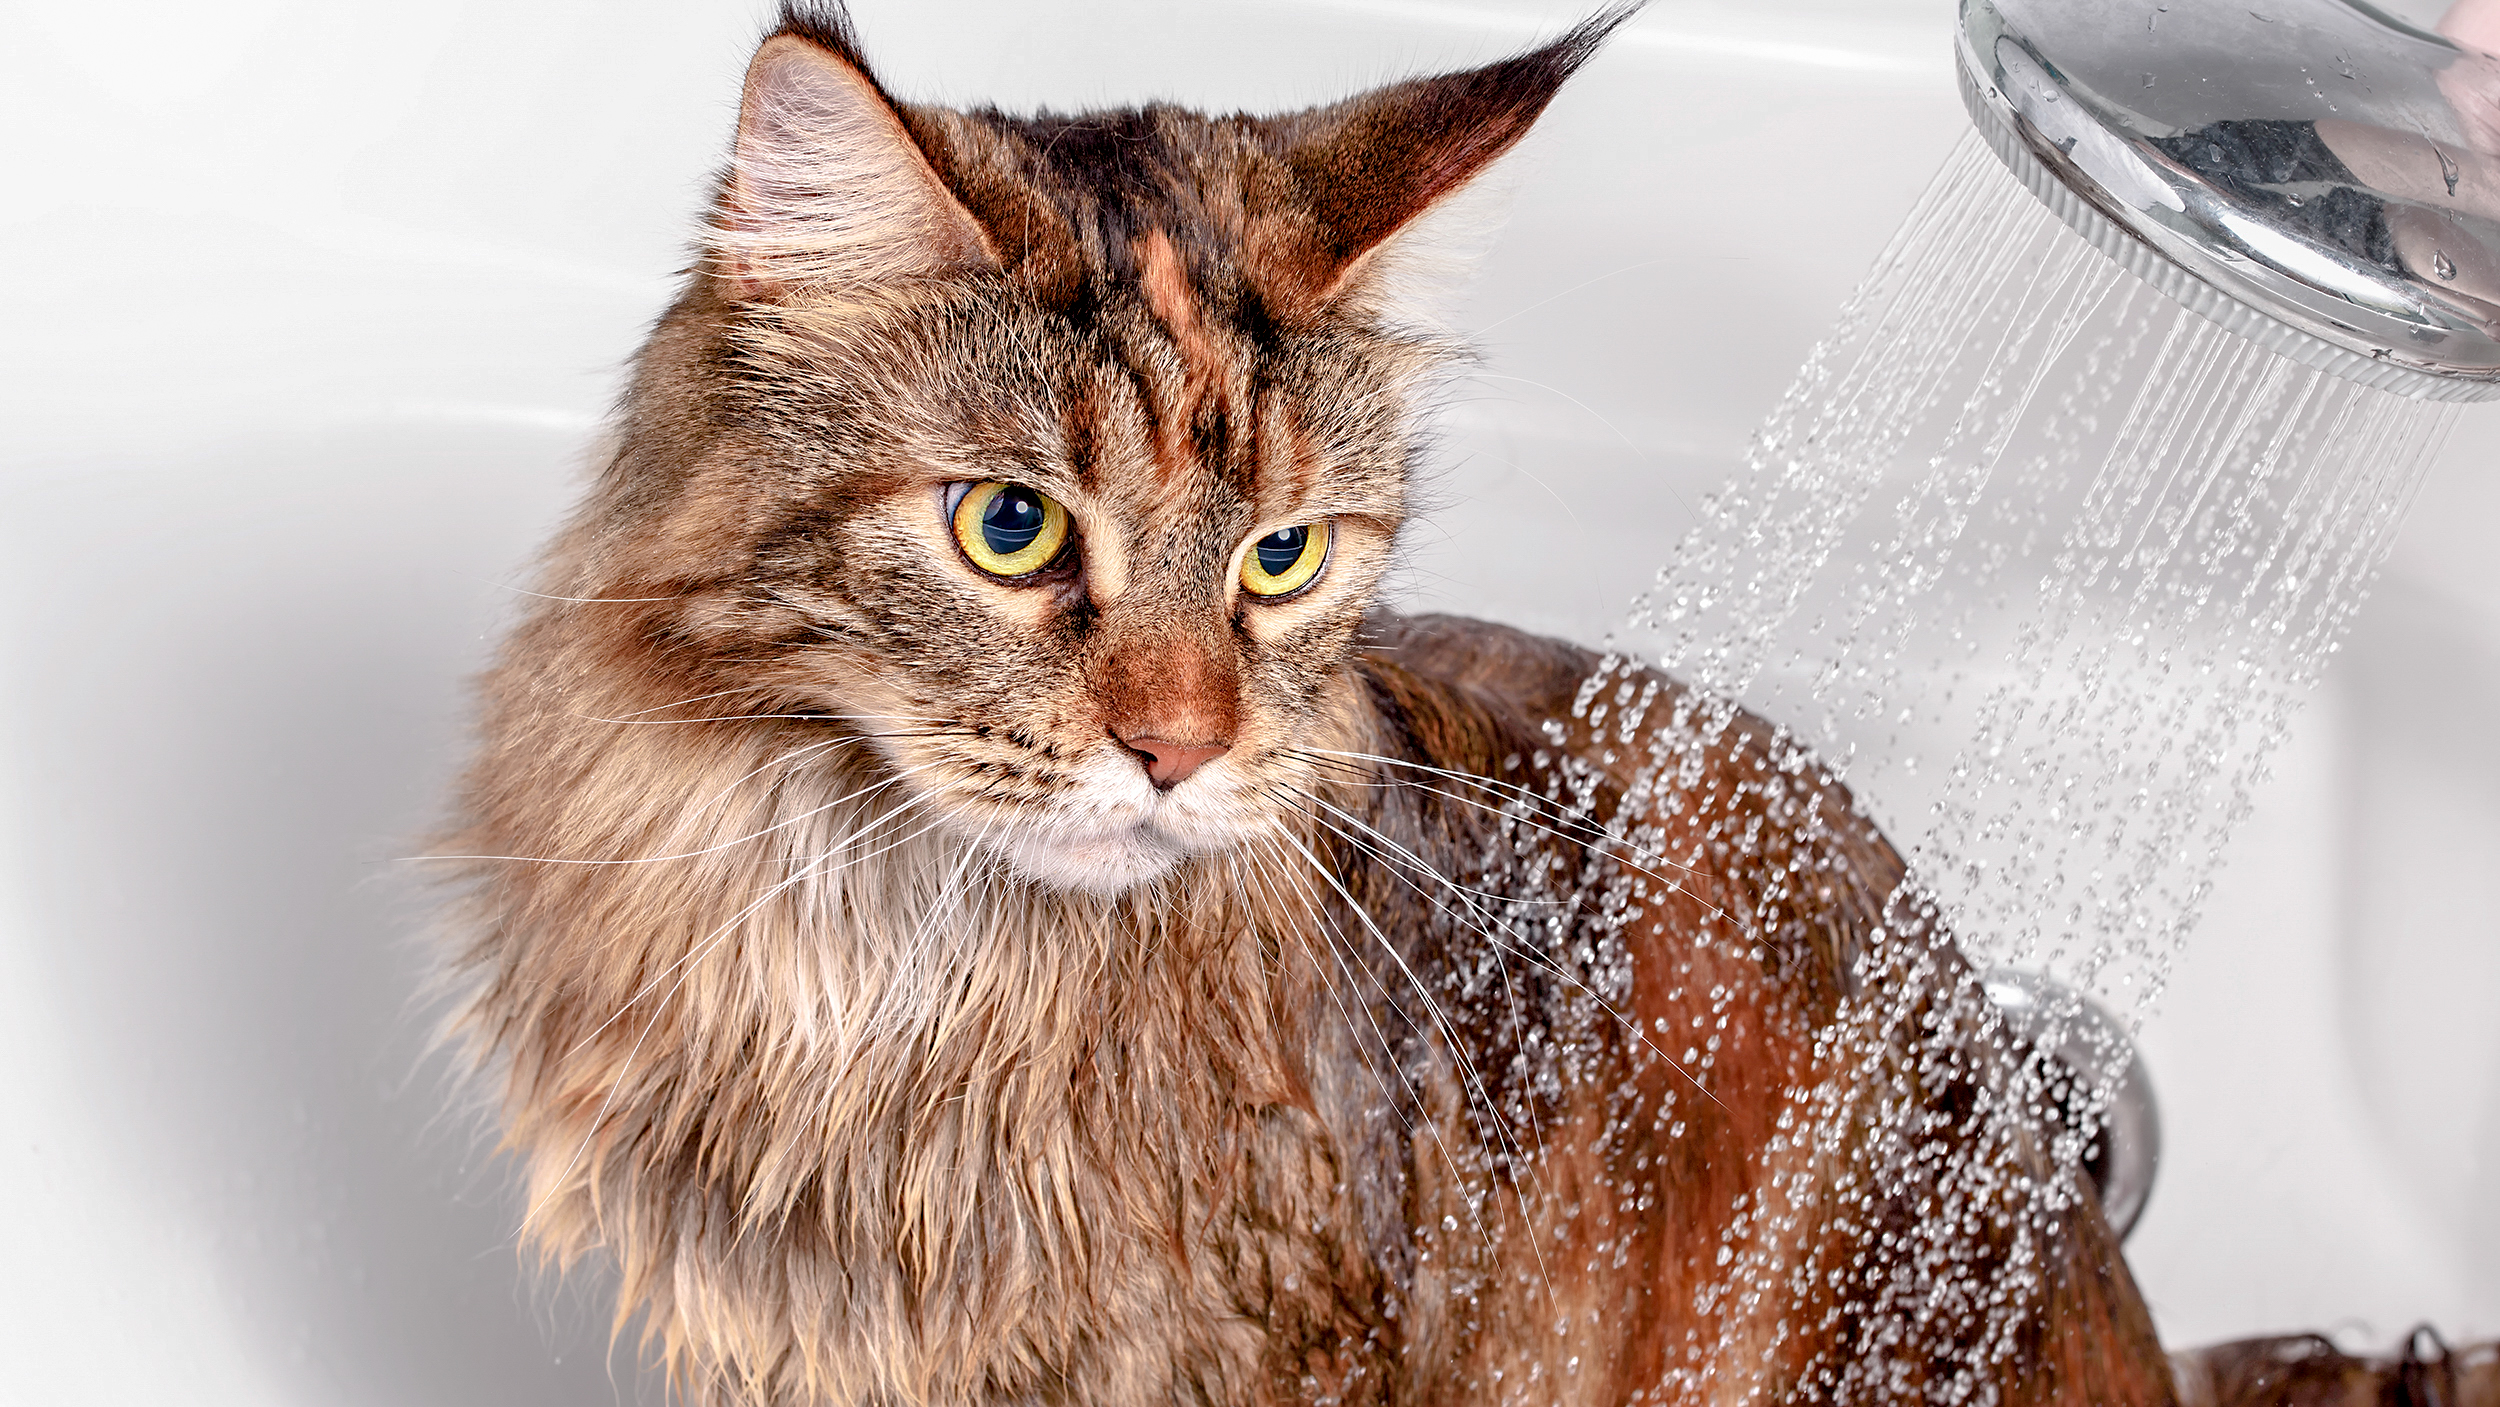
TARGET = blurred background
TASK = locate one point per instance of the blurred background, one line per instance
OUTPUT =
(309, 314)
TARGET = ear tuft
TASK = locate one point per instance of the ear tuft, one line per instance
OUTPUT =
(1373, 165)
(825, 24)
(827, 186)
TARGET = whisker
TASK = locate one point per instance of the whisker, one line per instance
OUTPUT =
(942, 818)
(710, 943)
(1369, 829)
(1340, 950)
(1468, 1073)
(692, 854)
(681, 703)
(590, 1133)
(696, 952)
(1387, 1052)
(1544, 961)
(950, 894)
(1610, 837)
(588, 600)
(1518, 1018)
(943, 727)
(1365, 777)
(791, 756)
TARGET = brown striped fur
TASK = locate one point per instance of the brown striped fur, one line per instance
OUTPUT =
(848, 988)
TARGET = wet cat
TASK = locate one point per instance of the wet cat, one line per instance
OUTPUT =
(980, 905)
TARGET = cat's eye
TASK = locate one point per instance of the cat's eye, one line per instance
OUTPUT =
(1285, 561)
(1009, 530)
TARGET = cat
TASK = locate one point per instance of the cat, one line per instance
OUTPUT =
(970, 899)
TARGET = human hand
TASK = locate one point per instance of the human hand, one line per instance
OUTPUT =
(2474, 24)
(2472, 83)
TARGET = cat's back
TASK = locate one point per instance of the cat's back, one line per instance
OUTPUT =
(1770, 948)
(1725, 806)
(1532, 677)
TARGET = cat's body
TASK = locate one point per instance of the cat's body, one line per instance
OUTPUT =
(977, 906)
(1276, 1131)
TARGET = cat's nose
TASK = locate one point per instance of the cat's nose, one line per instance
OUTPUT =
(1168, 763)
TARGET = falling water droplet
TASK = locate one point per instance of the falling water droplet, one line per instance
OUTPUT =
(2447, 168)
(2148, 80)
(2442, 265)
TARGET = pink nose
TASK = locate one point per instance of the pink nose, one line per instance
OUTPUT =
(1168, 763)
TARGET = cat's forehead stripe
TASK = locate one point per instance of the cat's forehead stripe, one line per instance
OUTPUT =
(1165, 281)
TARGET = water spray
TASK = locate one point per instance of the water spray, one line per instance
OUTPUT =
(2056, 531)
(2307, 174)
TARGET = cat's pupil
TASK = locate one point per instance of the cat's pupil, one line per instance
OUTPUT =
(1012, 519)
(1278, 551)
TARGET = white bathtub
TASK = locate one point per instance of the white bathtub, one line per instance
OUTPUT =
(310, 312)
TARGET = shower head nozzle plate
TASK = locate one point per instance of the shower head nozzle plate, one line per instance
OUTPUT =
(2313, 174)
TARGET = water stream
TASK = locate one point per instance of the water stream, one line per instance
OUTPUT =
(2041, 565)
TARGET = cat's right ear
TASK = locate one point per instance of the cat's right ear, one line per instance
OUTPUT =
(827, 187)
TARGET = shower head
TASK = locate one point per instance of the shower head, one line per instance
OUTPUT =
(2314, 174)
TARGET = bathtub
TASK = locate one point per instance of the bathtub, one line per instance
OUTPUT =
(311, 316)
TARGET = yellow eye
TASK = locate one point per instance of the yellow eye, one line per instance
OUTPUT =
(1285, 561)
(1010, 530)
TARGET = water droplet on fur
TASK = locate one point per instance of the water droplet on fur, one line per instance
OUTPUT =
(2442, 265)
(2448, 169)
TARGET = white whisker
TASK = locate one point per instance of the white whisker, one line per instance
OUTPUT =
(1525, 794)
(1492, 935)
(697, 951)
(1388, 1052)
(590, 1133)
(751, 836)
(629, 721)
(586, 600)
(791, 756)
(1458, 1054)
(1496, 946)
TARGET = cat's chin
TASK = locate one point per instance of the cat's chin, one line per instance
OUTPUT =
(1108, 863)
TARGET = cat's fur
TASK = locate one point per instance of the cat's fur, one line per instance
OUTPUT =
(850, 985)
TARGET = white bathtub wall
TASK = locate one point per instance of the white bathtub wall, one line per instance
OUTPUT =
(310, 311)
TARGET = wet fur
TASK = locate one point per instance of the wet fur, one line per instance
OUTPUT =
(826, 996)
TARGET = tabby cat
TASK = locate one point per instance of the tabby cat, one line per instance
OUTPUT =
(971, 901)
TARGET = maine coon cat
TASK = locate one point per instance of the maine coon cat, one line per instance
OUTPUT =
(974, 903)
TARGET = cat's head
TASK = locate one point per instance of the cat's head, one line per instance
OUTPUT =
(1062, 455)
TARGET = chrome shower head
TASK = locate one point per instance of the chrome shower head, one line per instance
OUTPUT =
(2314, 174)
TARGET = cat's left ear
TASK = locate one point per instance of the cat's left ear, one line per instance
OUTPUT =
(1371, 169)
(828, 186)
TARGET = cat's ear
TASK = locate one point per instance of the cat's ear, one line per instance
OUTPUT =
(827, 186)
(1371, 169)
